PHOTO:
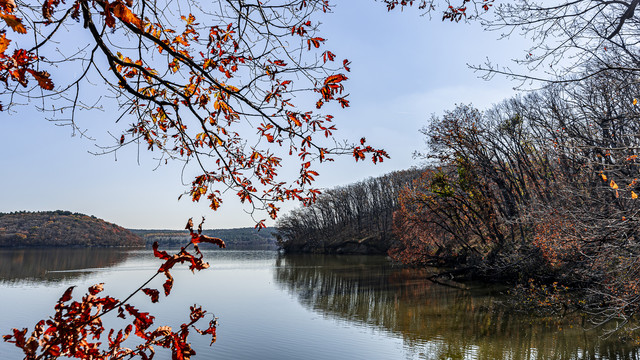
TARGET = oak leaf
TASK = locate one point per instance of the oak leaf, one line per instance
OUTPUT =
(14, 23)
(43, 79)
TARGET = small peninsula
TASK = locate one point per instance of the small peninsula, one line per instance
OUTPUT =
(62, 228)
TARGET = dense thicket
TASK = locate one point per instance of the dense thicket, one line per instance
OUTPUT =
(356, 218)
(540, 189)
(61, 228)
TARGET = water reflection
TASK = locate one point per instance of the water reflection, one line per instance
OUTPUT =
(55, 264)
(434, 321)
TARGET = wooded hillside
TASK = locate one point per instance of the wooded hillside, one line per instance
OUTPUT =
(357, 218)
(236, 239)
(62, 228)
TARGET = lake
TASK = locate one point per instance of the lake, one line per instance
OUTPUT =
(300, 307)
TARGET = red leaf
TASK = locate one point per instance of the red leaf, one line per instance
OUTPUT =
(168, 285)
(208, 239)
(260, 225)
(345, 64)
(328, 55)
(153, 293)
(334, 79)
(95, 289)
(159, 254)
(67, 295)
(315, 42)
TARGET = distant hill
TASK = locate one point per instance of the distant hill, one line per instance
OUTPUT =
(235, 239)
(62, 228)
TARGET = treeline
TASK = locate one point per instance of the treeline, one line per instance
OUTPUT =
(356, 218)
(541, 191)
(235, 239)
(61, 228)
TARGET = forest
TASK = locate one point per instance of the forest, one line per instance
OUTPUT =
(356, 218)
(540, 192)
(62, 228)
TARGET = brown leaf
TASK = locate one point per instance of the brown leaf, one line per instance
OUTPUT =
(14, 23)
(67, 295)
(208, 239)
(153, 294)
(4, 43)
(43, 79)
(122, 12)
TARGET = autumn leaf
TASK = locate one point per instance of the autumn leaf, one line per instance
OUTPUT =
(122, 12)
(8, 5)
(43, 79)
(14, 23)
(328, 55)
(634, 195)
(67, 295)
(95, 289)
(260, 225)
(334, 79)
(345, 64)
(168, 284)
(208, 239)
(4, 43)
(613, 185)
(315, 42)
(159, 254)
(153, 294)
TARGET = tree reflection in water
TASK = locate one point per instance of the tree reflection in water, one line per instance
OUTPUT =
(55, 264)
(435, 321)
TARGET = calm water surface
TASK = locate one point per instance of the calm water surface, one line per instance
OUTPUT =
(300, 307)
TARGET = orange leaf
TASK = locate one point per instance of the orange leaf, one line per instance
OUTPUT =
(122, 12)
(613, 185)
(4, 43)
(634, 195)
(333, 79)
(43, 79)
(14, 23)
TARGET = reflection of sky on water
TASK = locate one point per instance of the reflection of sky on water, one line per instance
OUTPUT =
(312, 307)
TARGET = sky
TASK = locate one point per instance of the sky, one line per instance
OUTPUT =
(405, 68)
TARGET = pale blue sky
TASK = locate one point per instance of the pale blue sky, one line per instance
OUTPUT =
(404, 68)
